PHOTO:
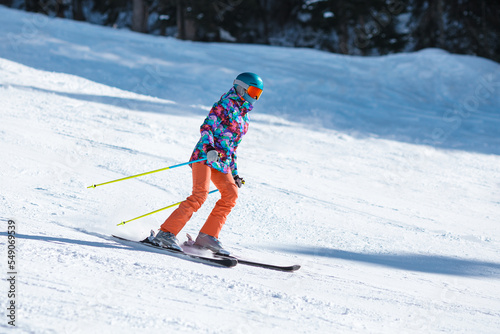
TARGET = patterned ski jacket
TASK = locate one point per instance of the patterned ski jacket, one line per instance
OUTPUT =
(223, 130)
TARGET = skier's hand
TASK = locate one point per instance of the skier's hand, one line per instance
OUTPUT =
(212, 155)
(239, 181)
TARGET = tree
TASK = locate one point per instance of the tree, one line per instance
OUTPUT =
(474, 28)
(140, 14)
(357, 26)
(77, 10)
(33, 6)
(110, 11)
(361, 27)
(463, 26)
(52, 8)
(428, 26)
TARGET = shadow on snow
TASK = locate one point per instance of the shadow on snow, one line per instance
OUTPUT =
(433, 264)
(160, 106)
(59, 240)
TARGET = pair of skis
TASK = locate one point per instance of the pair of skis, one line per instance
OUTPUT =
(227, 261)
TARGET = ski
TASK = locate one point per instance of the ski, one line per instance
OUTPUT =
(190, 243)
(221, 262)
(291, 268)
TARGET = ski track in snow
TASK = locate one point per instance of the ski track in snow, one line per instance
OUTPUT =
(392, 235)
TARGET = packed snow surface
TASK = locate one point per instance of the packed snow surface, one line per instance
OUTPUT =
(380, 176)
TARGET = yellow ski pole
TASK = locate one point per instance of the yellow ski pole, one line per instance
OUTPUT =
(165, 208)
(146, 173)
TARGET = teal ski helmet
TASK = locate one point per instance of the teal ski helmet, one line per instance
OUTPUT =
(249, 86)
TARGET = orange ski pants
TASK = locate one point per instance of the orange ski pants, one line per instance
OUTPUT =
(202, 175)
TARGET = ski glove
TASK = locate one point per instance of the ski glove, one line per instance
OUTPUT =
(212, 155)
(239, 181)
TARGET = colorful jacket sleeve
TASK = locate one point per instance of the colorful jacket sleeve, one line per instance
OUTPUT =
(208, 127)
(234, 164)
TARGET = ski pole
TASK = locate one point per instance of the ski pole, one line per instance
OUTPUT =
(146, 173)
(165, 208)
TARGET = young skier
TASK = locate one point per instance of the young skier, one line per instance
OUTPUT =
(221, 132)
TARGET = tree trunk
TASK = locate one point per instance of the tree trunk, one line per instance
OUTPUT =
(139, 16)
(78, 10)
(181, 23)
(32, 6)
(60, 7)
(440, 23)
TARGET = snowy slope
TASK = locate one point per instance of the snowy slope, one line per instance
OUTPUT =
(380, 176)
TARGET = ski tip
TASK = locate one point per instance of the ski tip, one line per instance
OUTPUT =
(230, 263)
(295, 267)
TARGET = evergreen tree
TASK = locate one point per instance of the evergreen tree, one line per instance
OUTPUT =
(460, 26)
(166, 12)
(473, 27)
(244, 21)
(427, 24)
(357, 26)
(111, 10)
(48, 7)
(33, 6)
(364, 27)
(77, 10)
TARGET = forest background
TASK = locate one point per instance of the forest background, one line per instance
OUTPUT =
(353, 27)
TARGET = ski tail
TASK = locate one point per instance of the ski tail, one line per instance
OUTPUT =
(292, 268)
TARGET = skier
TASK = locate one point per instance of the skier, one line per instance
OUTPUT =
(221, 132)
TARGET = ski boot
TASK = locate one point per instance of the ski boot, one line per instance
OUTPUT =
(211, 243)
(166, 240)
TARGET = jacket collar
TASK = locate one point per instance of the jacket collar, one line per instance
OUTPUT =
(244, 105)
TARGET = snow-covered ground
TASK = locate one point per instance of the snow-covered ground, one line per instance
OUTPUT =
(380, 176)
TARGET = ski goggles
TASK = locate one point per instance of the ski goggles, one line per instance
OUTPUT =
(254, 92)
